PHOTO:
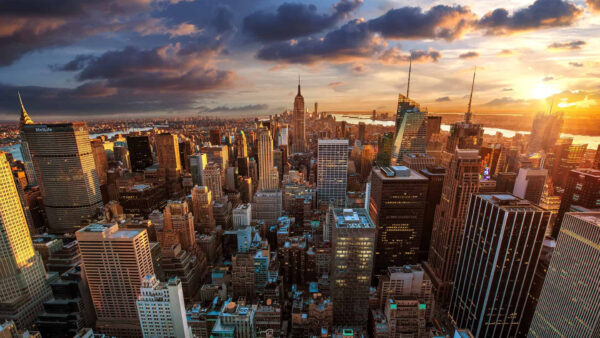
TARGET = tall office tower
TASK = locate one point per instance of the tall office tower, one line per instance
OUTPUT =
(462, 180)
(545, 131)
(465, 134)
(215, 137)
(505, 181)
(583, 191)
(298, 137)
(167, 153)
(493, 276)
(565, 157)
(242, 216)
(569, 303)
(353, 249)
(361, 132)
(406, 281)
(217, 154)
(198, 162)
(367, 157)
(202, 209)
(434, 124)
(411, 130)
(178, 226)
(435, 176)
(550, 202)
(332, 172)
(241, 147)
(268, 176)
(397, 208)
(27, 161)
(267, 206)
(23, 279)
(140, 152)
(212, 179)
(282, 137)
(161, 308)
(242, 275)
(100, 159)
(384, 149)
(66, 172)
(115, 261)
(530, 184)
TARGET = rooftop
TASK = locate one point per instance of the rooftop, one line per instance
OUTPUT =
(352, 218)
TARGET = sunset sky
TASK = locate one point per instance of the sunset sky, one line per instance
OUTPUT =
(86, 59)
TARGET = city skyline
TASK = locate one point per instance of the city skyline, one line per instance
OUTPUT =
(189, 57)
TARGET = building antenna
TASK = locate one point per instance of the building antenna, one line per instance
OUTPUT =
(409, 71)
(551, 105)
(298, 84)
(468, 114)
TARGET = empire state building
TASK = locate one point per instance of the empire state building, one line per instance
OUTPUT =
(298, 140)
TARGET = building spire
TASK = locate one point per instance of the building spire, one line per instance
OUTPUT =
(25, 119)
(409, 71)
(469, 114)
(299, 85)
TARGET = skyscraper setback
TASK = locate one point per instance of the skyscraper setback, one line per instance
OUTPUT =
(298, 121)
(65, 169)
(23, 278)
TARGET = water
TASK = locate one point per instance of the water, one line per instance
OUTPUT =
(591, 141)
(15, 149)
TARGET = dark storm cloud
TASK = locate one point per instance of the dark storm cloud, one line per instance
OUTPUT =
(395, 56)
(89, 100)
(78, 63)
(223, 20)
(468, 55)
(230, 109)
(293, 20)
(445, 22)
(351, 41)
(26, 26)
(443, 99)
(575, 44)
(540, 14)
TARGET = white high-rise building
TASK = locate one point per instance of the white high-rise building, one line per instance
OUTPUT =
(569, 303)
(162, 310)
(23, 287)
(242, 215)
(530, 183)
(332, 172)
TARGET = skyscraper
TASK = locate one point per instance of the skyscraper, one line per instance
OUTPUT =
(23, 278)
(161, 308)
(202, 209)
(140, 152)
(268, 176)
(178, 226)
(353, 249)
(65, 169)
(100, 160)
(583, 190)
(115, 261)
(569, 303)
(241, 147)
(411, 130)
(167, 153)
(462, 179)
(298, 136)
(332, 172)
(361, 132)
(499, 251)
(397, 207)
(565, 156)
(530, 184)
(465, 134)
(211, 178)
(27, 161)
(197, 163)
(545, 131)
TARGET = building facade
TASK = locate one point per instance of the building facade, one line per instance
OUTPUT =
(332, 172)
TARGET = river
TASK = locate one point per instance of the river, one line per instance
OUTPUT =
(591, 141)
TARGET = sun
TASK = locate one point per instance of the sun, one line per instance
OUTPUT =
(543, 90)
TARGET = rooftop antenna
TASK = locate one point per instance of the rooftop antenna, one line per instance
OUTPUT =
(298, 84)
(468, 114)
(551, 105)
(409, 71)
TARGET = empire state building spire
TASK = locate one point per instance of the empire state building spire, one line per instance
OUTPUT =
(25, 119)
(299, 86)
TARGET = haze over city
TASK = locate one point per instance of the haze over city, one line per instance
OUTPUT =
(89, 59)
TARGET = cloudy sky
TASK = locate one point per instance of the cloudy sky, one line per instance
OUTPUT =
(96, 58)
